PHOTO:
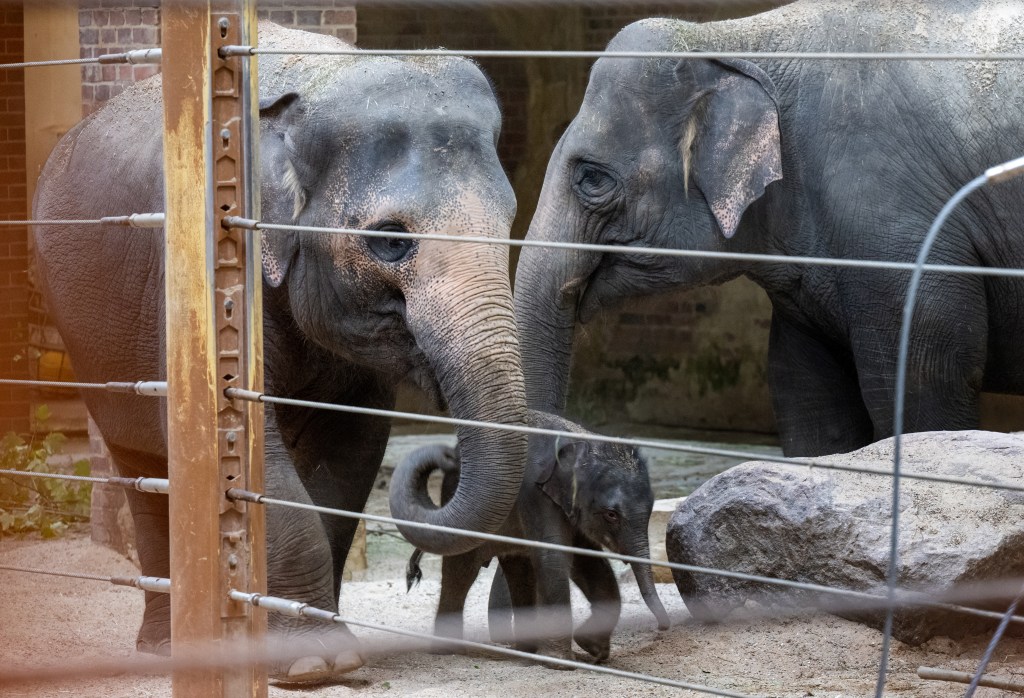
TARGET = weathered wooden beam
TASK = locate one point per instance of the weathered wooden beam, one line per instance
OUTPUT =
(214, 338)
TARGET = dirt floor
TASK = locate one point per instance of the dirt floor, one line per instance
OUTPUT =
(46, 619)
(50, 620)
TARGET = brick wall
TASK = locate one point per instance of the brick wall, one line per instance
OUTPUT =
(114, 26)
(14, 402)
(336, 17)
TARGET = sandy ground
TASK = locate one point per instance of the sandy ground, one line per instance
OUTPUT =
(51, 620)
(47, 619)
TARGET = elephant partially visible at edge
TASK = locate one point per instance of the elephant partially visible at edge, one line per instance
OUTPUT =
(361, 142)
(574, 492)
(824, 158)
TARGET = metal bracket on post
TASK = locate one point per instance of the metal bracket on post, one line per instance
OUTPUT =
(237, 308)
(214, 338)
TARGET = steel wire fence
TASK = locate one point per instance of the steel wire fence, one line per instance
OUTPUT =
(996, 174)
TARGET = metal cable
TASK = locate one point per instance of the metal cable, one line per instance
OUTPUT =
(249, 224)
(549, 660)
(987, 657)
(297, 609)
(146, 388)
(150, 56)
(70, 575)
(161, 585)
(253, 396)
(229, 51)
(915, 598)
(52, 476)
(142, 484)
(41, 64)
(996, 174)
(134, 220)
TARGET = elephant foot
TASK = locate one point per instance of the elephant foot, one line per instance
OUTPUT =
(557, 650)
(160, 646)
(597, 647)
(154, 637)
(530, 647)
(316, 670)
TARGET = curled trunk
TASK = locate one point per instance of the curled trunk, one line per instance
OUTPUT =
(468, 333)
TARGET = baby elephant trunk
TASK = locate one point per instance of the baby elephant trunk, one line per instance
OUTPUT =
(645, 580)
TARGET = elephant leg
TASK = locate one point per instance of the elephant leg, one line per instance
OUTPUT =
(552, 569)
(458, 572)
(152, 542)
(815, 393)
(300, 567)
(499, 606)
(945, 364)
(516, 576)
(596, 579)
(338, 458)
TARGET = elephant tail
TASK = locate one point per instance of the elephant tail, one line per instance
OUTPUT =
(417, 467)
(413, 573)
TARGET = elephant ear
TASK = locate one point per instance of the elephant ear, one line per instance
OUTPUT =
(282, 195)
(557, 479)
(731, 140)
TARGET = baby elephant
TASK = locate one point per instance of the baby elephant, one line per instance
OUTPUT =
(574, 492)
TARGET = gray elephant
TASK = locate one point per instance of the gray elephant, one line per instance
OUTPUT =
(828, 158)
(574, 492)
(377, 143)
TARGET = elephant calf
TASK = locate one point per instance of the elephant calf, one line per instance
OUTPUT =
(574, 492)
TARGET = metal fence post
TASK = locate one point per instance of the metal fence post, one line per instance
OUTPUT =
(214, 336)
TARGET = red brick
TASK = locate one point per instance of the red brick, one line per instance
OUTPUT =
(144, 36)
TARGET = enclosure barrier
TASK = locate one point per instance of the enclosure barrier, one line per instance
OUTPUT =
(185, 47)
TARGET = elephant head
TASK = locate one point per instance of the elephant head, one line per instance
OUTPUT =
(403, 146)
(605, 491)
(663, 153)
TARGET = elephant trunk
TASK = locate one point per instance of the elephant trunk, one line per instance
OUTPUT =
(547, 289)
(639, 547)
(468, 333)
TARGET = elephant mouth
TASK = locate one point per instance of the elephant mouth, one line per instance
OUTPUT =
(423, 377)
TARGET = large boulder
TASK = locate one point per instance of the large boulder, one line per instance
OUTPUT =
(832, 528)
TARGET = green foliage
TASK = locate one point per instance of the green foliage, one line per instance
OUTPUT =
(44, 505)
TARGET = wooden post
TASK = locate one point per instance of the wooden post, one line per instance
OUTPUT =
(214, 337)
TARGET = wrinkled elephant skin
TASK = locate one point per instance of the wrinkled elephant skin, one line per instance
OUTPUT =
(575, 492)
(820, 158)
(361, 142)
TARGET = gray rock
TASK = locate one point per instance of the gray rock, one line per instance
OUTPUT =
(832, 528)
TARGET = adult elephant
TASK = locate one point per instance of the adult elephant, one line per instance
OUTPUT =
(377, 143)
(827, 158)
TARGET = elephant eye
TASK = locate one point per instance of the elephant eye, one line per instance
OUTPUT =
(593, 182)
(390, 250)
(611, 516)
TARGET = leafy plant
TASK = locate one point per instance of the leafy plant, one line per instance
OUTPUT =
(44, 505)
